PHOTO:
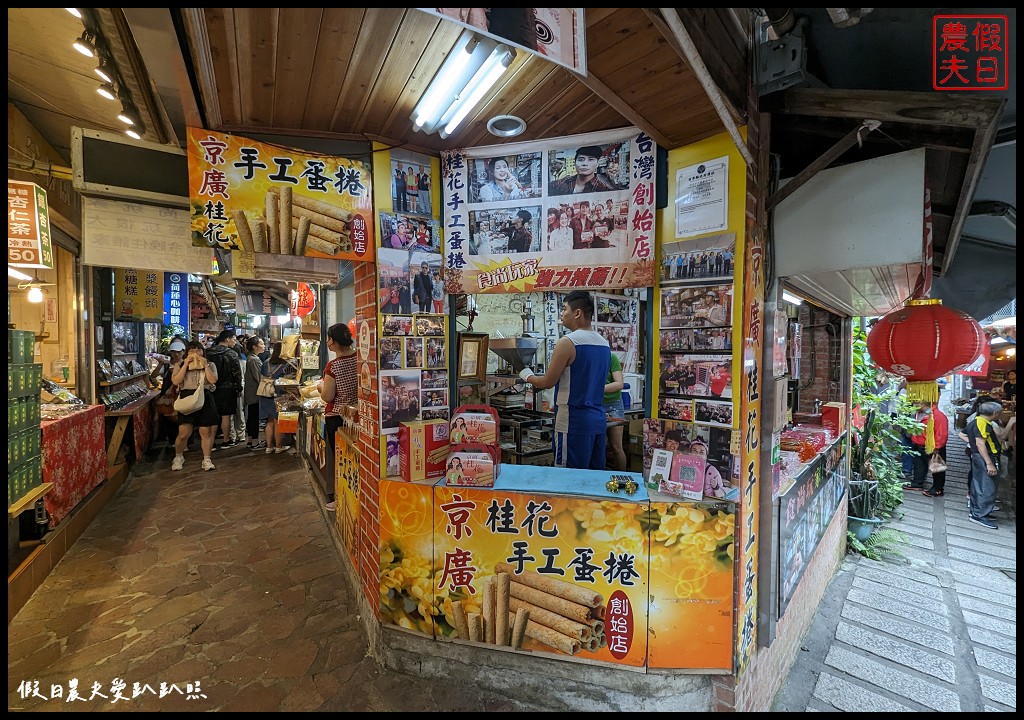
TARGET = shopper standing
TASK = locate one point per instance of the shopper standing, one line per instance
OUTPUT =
(339, 387)
(274, 368)
(986, 448)
(196, 374)
(615, 412)
(253, 368)
(229, 385)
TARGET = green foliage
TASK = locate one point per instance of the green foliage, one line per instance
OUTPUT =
(884, 542)
(876, 447)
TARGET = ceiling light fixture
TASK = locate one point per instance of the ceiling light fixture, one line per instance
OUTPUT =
(85, 44)
(104, 71)
(133, 133)
(790, 298)
(35, 294)
(470, 70)
(107, 90)
(506, 126)
(127, 115)
(17, 274)
(75, 11)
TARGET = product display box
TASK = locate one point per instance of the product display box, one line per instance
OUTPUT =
(471, 469)
(422, 449)
(687, 477)
(833, 417)
(474, 427)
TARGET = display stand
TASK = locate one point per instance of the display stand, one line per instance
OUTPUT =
(73, 459)
(122, 416)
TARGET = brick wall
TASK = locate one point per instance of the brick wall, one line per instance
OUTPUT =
(767, 671)
(369, 443)
(818, 361)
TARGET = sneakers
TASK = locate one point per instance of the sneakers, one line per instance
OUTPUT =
(208, 464)
(269, 450)
(984, 522)
(256, 446)
(178, 463)
(933, 493)
(282, 448)
(331, 506)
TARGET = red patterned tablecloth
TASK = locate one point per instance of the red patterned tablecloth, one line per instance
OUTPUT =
(142, 427)
(74, 459)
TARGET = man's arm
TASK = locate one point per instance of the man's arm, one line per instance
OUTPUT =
(563, 355)
(982, 446)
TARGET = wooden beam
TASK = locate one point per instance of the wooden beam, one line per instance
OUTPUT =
(623, 108)
(826, 159)
(983, 141)
(888, 106)
(700, 70)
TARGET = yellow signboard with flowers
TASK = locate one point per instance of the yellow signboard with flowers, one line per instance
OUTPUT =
(262, 198)
(617, 581)
(691, 585)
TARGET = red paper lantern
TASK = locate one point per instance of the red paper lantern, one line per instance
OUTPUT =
(306, 300)
(922, 342)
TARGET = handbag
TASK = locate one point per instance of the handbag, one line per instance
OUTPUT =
(266, 388)
(936, 464)
(191, 403)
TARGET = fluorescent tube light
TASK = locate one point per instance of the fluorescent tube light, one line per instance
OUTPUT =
(997, 341)
(500, 58)
(18, 274)
(469, 71)
(790, 298)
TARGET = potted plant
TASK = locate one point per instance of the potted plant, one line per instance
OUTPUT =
(882, 417)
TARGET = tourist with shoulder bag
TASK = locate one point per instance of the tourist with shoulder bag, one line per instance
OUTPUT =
(196, 378)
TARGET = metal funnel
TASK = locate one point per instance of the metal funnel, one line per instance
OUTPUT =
(519, 352)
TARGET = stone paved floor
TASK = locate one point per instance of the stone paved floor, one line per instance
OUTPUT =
(229, 580)
(934, 632)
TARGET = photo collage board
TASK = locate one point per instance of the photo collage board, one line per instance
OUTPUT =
(616, 318)
(413, 338)
(695, 359)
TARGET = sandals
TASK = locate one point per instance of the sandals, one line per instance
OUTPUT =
(934, 493)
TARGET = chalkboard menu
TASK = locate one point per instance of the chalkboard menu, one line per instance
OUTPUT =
(805, 511)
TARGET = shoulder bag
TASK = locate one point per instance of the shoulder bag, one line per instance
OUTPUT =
(266, 388)
(192, 403)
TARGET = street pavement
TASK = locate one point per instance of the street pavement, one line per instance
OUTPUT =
(933, 630)
(225, 590)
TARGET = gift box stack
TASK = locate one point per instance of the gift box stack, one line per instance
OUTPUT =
(24, 463)
(474, 458)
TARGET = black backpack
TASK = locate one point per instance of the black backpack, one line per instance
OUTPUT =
(229, 371)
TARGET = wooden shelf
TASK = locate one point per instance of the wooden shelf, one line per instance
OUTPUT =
(108, 383)
(131, 407)
(24, 503)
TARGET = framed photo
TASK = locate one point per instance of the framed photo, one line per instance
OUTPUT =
(675, 409)
(434, 398)
(712, 412)
(430, 325)
(435, 352)
(399, 398)
(398, 325)
(391, 353)
(707, 376)
(434, 380)
(696, 307)
(410, 188)
(414, 352)
(472, 361)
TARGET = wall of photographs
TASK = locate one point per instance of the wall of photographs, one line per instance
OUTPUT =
(695, 389)
(413, 337)
(616, 318)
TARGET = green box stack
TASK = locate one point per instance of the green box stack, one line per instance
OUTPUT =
(24, 460)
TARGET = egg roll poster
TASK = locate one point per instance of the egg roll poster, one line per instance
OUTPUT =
(258, 197)
(596, 549)
(472, 266)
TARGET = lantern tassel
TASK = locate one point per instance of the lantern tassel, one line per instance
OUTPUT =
(919, 392)
(929, 432)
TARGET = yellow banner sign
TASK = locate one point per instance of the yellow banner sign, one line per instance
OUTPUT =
(263, 198)
(138, 295)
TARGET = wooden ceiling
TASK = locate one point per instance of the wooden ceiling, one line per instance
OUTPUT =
(357, 73)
